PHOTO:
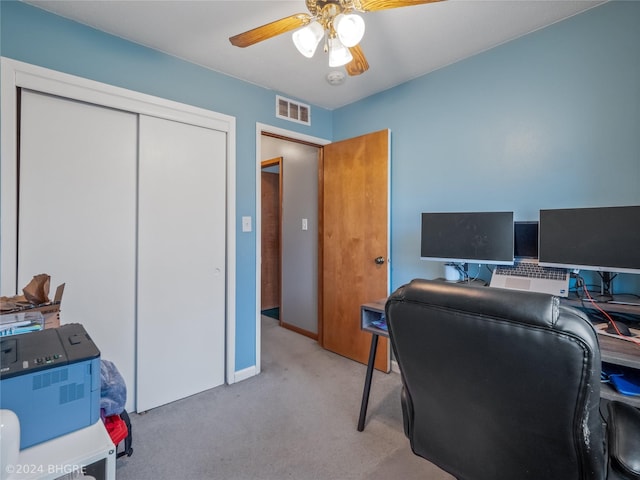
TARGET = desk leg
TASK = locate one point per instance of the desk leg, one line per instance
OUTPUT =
(367, 382)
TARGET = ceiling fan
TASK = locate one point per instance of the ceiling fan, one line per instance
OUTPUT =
(335, 21)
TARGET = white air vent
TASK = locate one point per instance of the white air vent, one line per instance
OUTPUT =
(293, 111)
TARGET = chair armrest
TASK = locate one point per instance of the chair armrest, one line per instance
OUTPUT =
(624, 439)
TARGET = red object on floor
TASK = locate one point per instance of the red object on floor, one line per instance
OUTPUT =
(116, 428)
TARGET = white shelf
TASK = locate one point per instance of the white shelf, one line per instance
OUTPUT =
(68, 456)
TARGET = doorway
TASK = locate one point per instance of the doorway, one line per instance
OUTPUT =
(283, 137)
(289, 233)
(356, 187)
(270, 181)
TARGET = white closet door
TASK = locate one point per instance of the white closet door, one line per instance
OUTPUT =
(181, 261)
(76, 216)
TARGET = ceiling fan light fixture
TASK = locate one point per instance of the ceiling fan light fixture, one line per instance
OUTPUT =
(307, 38)
(338, 54)
(350, 28)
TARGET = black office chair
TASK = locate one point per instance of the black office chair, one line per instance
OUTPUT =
(505, 385)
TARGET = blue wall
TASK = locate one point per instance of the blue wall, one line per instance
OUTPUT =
(550, 120)
(34, 36)
(559, 109)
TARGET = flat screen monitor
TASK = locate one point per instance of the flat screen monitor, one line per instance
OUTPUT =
(525, 240)
(468, 237)
(604, 239)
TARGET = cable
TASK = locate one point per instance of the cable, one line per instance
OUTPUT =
(580, 285)
(462, 272)
(606, 315)
(477, 275)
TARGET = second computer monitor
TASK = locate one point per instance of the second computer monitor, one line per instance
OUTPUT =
(467, 237)
(604, 239)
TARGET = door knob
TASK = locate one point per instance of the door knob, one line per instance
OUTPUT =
(379, 260)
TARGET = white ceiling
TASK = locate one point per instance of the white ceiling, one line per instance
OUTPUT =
(400, 44)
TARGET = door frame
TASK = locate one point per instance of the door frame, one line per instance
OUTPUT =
(16, 74)
(287, 135)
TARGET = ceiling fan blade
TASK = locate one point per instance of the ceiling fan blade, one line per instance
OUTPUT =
(270, 30)
(359, 63)
(373, 5)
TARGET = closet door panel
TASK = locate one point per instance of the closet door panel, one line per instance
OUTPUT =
(181, 261)
(76, 216)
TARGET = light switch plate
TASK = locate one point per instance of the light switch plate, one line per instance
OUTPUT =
(246, 224)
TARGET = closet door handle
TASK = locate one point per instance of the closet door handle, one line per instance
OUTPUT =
(379, 260)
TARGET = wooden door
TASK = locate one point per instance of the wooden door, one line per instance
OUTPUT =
(270, 240)
(355, 178)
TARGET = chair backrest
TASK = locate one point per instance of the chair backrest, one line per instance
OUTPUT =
(498, 384)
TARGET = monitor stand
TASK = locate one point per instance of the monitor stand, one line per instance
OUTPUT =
(605, 288)
(606, 292)
(468, 280)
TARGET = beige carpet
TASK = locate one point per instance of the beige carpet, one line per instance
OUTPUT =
(296, 420)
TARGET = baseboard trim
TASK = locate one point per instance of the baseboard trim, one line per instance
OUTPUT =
(245, 373)
(394, 366)
(301, 331)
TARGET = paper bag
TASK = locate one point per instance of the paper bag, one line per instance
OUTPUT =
(37, 291)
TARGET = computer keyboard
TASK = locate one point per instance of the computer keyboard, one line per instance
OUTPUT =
(532, 270)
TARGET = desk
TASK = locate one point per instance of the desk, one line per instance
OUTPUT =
(371, 314)
(612, 350)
